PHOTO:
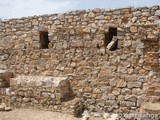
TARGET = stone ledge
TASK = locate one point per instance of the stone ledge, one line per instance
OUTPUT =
(38, 91)
(40, 81)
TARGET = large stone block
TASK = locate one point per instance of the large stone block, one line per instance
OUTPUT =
(157, 13)
(73, 107)
(134, 84)
(133, 29)
(40, 81)
(112, 43)
(151, 108)
(121, 84)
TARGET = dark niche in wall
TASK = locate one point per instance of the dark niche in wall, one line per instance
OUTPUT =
(44, 41)
(108, 38)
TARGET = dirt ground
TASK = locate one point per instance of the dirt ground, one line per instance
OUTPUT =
(32, 114)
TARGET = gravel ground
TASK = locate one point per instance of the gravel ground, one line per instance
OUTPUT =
(32, 114)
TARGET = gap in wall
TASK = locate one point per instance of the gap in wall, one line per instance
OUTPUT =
(108, 37)
(44, 41)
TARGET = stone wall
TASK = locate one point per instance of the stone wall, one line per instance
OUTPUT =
(106, 80)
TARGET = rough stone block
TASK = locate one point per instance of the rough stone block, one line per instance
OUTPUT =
(74, 107)
(133, 29)
(34, 22)
(151, 108)
(157, 13)
(112, 43)
(58, 84)
(126, 91)
(131, 98)
(134, 84)
(121, 84)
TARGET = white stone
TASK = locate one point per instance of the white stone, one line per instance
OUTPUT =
(4, 57)
(127, 43)
(7, 108)
(106, 115)
(122, 69)
(112, 43)
(8, 91)
(85, 118)
(157, 13)
(113, 117)
(85, 115)
(134, 19)
(151, 74)
(96, 114)
(91, 14)
(57, 22)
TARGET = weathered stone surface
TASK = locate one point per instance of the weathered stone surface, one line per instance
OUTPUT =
(34, 22)
(116, 91)
(80, 51)
(113, 81)
(75, 107)
(157, 13)
(122, 69)
(91, 15)
(121, 84)
(100, 17)
(41, 81)
(127, 43)
(126, 91)
(133, 29)
(141, 79)
(137, 91)
(8, 109)
(137, 13)
(4, 57)
(127, 104)
(131, 98)
(150, 108)
(112, 43)
(106, 115)
(134, 84)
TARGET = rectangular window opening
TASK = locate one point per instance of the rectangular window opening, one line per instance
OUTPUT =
(113, 45)
(44, 41)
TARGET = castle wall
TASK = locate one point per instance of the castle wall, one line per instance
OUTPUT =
(106, 80)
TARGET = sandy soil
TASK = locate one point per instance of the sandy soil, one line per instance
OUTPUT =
(32, 114)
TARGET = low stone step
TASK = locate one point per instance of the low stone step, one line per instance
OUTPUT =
(42, 92)
(150, 108)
